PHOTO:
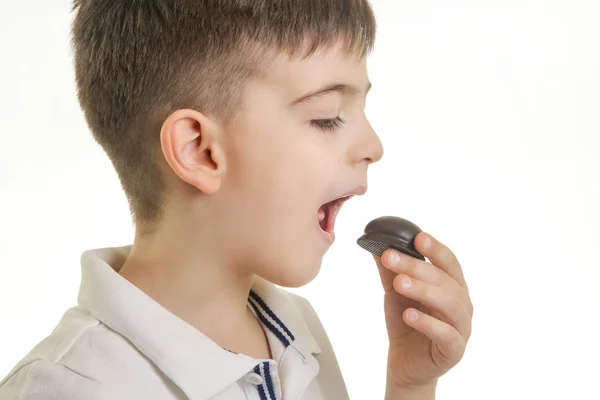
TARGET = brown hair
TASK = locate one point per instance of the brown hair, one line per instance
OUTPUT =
(137, 61)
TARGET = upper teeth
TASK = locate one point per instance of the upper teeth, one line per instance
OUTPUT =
(334, 208)
(337, 209)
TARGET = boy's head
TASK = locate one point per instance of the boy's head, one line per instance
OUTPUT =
(202, 107)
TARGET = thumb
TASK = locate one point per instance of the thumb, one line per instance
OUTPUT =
(387, 276)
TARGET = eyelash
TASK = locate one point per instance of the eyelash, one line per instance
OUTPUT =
(328, 124)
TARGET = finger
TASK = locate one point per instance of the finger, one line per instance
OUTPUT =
(453, 305)
(446, 338)
(387, 276)
(440, 256)
(402, 263)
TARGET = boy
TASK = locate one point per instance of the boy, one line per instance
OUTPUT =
(237, 131)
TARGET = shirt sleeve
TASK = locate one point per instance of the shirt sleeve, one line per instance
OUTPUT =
(44, 380)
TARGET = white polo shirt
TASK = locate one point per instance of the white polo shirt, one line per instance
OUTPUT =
(118, 343)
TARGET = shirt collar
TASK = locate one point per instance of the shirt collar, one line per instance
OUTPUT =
(195, 363)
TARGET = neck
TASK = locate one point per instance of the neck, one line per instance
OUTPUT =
(193, 280)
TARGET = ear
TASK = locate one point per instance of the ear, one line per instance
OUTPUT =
(190, 143)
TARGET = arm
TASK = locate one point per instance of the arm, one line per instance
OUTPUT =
(394, 392)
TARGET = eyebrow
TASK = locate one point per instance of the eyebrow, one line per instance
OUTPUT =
(342, 88)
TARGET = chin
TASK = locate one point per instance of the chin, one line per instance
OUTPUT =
(294, 275)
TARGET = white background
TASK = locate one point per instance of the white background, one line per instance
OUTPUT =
(489, 114)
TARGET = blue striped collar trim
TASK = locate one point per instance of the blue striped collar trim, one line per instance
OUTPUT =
(269, 319)
(266, 390)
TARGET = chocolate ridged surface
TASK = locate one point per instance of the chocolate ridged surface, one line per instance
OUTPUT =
(385, 232)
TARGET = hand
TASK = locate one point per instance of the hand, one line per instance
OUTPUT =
(426, 347)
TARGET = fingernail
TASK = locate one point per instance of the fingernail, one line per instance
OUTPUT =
(394, 258)
(412, 315)
(427, 242)
(406, 282)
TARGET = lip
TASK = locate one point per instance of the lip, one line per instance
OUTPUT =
(358, 191)
(329, 237)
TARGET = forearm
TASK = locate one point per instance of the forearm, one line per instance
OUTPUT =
(393, 392)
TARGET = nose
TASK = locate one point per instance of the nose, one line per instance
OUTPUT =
(368, 147)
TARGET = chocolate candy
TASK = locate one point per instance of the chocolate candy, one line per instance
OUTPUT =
(385, 232)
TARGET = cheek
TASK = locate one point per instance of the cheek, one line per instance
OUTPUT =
(278, 180)
(275, 167)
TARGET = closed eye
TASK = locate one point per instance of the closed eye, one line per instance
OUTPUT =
(328, 124)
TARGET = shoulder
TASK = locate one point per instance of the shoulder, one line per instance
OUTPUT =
(310, 318)
(44, 380)
(302, 304)
(305, 307)
(60, 366)
(331, 379)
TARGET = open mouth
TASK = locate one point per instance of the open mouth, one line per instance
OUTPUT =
(327, 214)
